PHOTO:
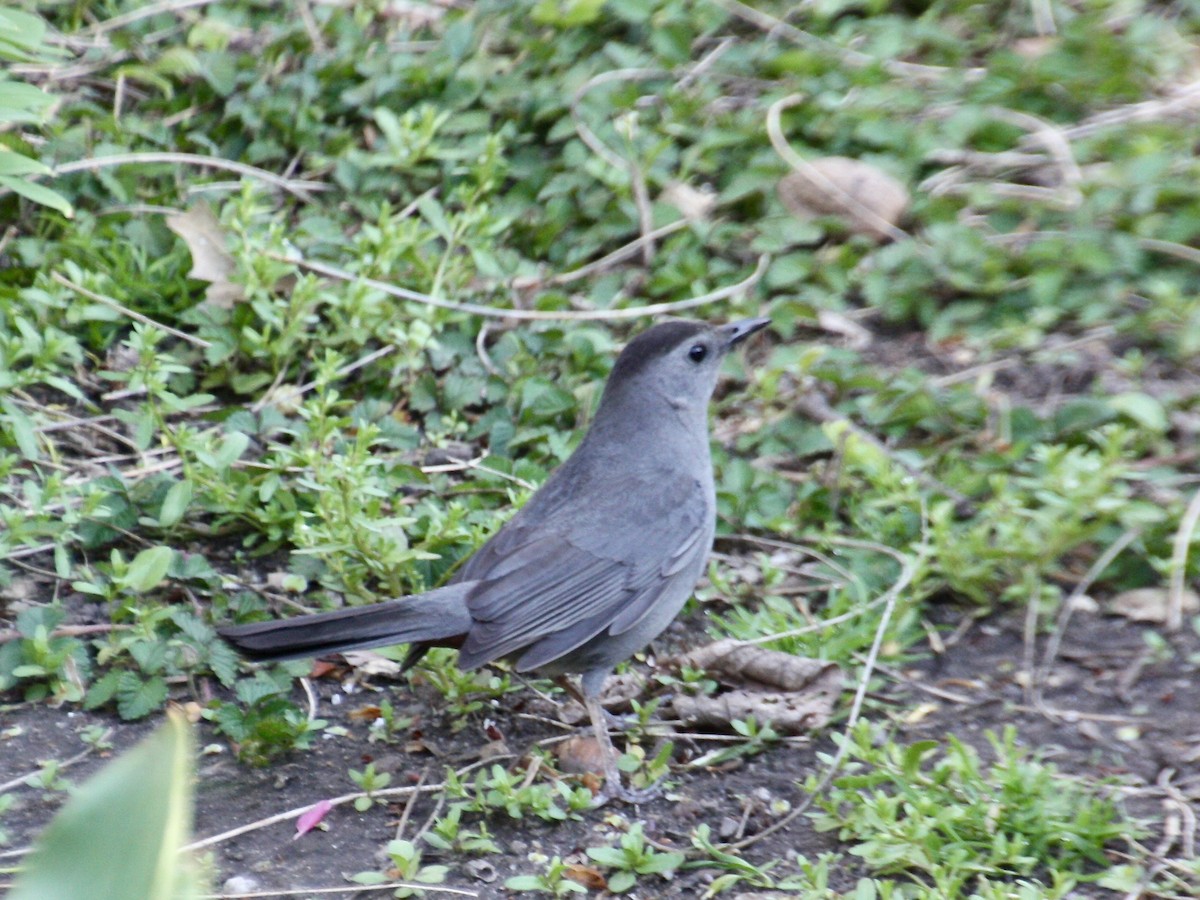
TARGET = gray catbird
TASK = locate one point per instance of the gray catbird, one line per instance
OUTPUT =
(595, 565)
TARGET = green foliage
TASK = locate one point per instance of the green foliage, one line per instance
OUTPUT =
(950, 821)
(43, 665)
(448, 834)
(263, 724)
(555, 881)
(406, 862)
(163, 433)
(23, 39)
(462, 693)
(633, 857)
(496, 789)
(369, 781)
(734, 869)
(757, 738)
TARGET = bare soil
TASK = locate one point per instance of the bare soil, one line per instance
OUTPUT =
(1113, 705)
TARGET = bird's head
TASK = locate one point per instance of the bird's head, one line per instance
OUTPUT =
(675, 362)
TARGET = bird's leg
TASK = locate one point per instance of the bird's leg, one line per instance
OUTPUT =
(613, 788)
(568, 686)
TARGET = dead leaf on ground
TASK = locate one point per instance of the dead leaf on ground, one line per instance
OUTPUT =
(794, 693)
(367, 713)
(211, 261)
(482, 870)
(838, 185)
(693, 203)
(589, 876)
(368, 662)
(856, 336)
(414, 15)
(580, 754)
(1150, 604)
(493, 750)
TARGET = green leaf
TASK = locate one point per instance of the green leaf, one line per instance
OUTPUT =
(38, 194)
(433, 213)
(22, 429)
(567, 13)
(913, 754)
(120, 834)
(1142, 409)
(231, 449)
(137, 698)
(22, 102)
(15, 164)
(620, 882)
(103, 690)
(223, 660)
(524, 883)
(175, 504)
(660, 863)
(607, 856)
(22, 35)
(149, 568)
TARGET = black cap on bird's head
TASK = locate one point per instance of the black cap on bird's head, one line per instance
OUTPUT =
(677, 359)
(658, 341)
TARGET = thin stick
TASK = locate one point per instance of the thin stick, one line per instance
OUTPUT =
(1179, 555)
(1085, 584)
(915, 71)
(336, 801)
(585, 132)
(145, 12)
(421, 889)
(126, 311)
(1183, 99)
(296, 187)
(599, 265)
(1170, 248)
(910, 566)
(536, 315)
(408, 807)
(66, 763)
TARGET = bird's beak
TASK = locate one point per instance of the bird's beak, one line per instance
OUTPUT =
(736, 332)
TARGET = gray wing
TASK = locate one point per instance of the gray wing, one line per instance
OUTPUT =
(563, 571)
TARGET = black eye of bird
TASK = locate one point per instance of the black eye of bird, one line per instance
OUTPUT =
(697, 353)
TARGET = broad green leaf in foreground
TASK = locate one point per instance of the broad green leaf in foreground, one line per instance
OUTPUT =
(119, 836)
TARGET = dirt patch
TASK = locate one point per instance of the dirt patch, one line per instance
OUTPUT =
(1114, 704)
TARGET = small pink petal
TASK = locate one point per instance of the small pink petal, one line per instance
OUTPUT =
(312, 818)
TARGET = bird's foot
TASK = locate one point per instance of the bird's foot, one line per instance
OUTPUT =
(619, 722)
(615, 789)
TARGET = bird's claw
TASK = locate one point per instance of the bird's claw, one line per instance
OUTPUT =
(614, 789)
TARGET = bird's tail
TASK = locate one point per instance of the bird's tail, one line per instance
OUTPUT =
(434, 616)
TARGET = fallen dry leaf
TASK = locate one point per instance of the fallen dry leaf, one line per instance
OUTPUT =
(1150, 604)
(794, 693)
(838, 185)
(368, 662)
(836, 323)
(493, 750)
(322, 667)
(211, 261)
(589, 876)
(693, 203)
(580, 754)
